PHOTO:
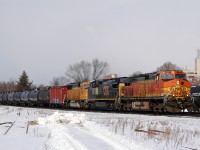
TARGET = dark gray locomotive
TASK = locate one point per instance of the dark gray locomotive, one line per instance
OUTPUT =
(195, 92)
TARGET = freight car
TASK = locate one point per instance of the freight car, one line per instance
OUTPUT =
(5, 97)
(58, 96)
(26, 98)
(39, 97)
(17, 98)
(11, 97)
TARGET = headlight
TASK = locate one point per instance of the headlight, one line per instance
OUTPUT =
(177, 82)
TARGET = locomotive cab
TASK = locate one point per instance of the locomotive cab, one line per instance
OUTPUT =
(175, 89)
(175, 84)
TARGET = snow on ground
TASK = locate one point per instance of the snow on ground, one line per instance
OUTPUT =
(35, 129)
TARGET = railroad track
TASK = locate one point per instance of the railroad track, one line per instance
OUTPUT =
(180, 114)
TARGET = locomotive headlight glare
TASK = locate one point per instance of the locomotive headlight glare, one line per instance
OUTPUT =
(177, 82)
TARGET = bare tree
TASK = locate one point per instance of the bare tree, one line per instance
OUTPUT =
(59, 81)
(3, 86)
(136, 74)
(168, 66)
(41, 86)
(100, 69)
(11, 86)
(7, 86)
(80, 72)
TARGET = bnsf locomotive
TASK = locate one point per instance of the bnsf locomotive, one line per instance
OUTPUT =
(158, 91)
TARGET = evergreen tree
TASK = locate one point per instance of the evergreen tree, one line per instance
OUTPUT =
(23, 84)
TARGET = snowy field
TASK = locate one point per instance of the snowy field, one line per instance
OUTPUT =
(43, 129)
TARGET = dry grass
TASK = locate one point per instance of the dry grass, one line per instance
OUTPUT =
(166, 133)
(171, 134)
(64, 121)
(33, 122)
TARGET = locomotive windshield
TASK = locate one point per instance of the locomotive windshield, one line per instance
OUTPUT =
(167, 76)
(180, 76)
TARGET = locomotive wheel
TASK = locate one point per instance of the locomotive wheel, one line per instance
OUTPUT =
(86, 106)
(190, 109)
(118, 104)
(196, 108)
(67, 104)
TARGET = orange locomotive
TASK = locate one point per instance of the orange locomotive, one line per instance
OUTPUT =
(158, 91)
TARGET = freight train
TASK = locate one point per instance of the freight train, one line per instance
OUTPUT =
(164, 91)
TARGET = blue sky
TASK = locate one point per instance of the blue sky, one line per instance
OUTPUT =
(43, 37)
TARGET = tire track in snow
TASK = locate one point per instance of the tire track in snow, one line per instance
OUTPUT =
(117, 141)
(88, 139)
(68, 132)
(59, 139)
(94, 138)
(72, 132)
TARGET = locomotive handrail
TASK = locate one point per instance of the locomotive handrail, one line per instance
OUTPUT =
(166, 96)
(192, 98)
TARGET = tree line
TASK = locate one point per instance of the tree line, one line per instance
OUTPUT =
(78, 72)
(83, 71)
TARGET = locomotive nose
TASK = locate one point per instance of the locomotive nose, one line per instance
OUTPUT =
(178, 82)
(180, 91)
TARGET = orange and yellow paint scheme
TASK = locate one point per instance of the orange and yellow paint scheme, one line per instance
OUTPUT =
(165, 89)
